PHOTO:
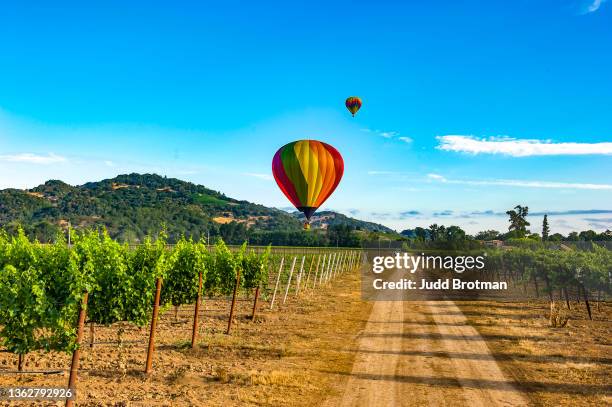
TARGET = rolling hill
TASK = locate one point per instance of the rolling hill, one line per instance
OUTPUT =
(133, 205)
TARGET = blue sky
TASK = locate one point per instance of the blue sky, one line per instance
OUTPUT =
(469, 107)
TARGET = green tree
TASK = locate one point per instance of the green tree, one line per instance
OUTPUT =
(518, 220)
(488, 235)
(545, 228)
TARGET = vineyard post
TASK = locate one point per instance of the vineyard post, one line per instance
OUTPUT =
(74, 366)
(151, 347)
(586, 301)
(314, 282)
(326, 268)
(92, 334)
(567, 303)
(335, 267)
(332, 256)
(310, 269)
(338, 265)
(322, 270)
(255, 302)
(330, 268)
(196, 313)
(231, 316)
(343, 265)
(280, 271)
(299, 279)
(289, 281)
(349, 263)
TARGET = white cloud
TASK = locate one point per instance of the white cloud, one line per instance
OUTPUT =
(519, 147)
(387, 134)
(31, 158)
(109, 163)
(266, 177)
(521, 183)
(391, 135)
(593, 6)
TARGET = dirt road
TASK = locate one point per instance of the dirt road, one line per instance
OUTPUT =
(424, 354)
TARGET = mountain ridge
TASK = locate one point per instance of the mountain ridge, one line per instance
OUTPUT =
(131, 206)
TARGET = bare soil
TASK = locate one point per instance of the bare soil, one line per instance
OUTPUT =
(330, 348)
(280, 358)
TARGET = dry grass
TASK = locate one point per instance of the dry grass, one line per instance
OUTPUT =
(278, 359)
(568, 366)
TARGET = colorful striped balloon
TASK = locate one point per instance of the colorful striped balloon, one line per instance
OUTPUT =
(307, 171)
(353, 104)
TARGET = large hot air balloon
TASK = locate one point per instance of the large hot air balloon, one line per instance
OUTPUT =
(353, 104)
(307, 171)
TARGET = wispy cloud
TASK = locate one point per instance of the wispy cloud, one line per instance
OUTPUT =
(606, 220)
(519, 147)
(521, 183)
(263, 176)
(387, 134)
(390, 135)
(409, 214)
(381, 172)
(573, 212)
(30, 158)
(592, 6)
(490, 212)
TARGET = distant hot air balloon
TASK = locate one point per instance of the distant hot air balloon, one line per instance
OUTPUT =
(307, 171)
(353, 104)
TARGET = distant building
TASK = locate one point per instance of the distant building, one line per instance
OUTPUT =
(494, 243)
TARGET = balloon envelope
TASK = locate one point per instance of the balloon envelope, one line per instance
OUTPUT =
(307, 171)
(353, 104)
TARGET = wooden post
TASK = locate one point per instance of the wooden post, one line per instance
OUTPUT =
(151, 347)
(196, 313)
(280, 271)
(74, 366)
(255, 303)
(586, 301)
(92, 334)
(289, 281)
(231, 316)
(299, 278)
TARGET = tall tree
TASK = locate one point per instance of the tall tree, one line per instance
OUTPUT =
(545, 228)
(434, 230)
(518, 221)
(420, 233)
